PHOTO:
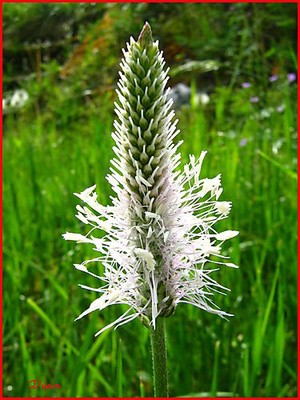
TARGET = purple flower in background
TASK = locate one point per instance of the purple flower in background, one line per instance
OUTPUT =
(291, 77)
(273, 78)
(243, 142)
(254, 99)
(246, 85)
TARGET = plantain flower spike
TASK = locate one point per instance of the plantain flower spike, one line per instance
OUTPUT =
(158, 232)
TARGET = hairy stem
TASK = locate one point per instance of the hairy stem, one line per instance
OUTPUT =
(159, 359)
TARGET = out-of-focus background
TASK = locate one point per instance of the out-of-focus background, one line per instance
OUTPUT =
(233, 79)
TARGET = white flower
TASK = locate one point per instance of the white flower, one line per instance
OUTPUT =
(204, 98)
(19, 98)
(223, 207)
(159, 233)
(147, 257)
(226, 235)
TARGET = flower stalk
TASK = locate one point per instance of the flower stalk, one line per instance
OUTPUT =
(159, 359)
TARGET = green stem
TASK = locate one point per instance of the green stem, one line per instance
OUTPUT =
(159, 359)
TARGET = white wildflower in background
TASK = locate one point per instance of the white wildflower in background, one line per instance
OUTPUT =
(19, 98)
(159, 230)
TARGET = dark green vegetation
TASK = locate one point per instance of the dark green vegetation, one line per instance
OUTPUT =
(66, 57)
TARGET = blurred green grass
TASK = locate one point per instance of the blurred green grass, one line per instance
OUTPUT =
(254, 146)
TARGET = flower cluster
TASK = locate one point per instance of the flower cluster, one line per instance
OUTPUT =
(158, 232)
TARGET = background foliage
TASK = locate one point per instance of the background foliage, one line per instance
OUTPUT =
(60, 72)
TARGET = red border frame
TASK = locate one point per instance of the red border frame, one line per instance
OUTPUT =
(1, 222)
(152, 1)
(1, 172)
